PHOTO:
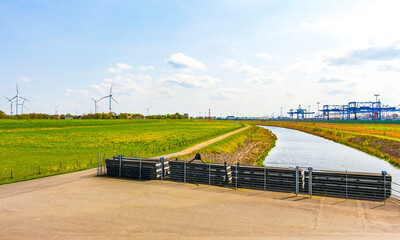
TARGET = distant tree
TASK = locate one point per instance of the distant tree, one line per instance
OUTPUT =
(3, 115)
(122, 116)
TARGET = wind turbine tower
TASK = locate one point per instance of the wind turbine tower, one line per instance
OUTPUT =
(22, 105)
(95, 105)
(109, 96)
(55, 109)
(147, 109)
(11, 102)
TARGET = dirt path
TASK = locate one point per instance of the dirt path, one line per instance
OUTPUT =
(200, 145)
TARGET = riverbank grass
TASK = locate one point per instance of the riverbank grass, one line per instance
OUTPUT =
(249, 147)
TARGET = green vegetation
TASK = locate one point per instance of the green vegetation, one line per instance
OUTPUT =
(249, 147)
(92, 116)
(60, 146)
(380, 140)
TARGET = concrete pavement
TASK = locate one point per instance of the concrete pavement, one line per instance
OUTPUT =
(82, 206)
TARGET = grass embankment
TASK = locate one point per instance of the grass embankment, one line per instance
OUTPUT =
(60, 146)
(249, 147)
(380, 140)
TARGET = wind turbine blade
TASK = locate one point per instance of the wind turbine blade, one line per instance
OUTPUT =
(111, 89)
(114, 100)
(25, 107)
(103, 98)
(24, 98)
(17, 88)
(8, 99)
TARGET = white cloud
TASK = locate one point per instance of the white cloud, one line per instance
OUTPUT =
(119, 67)
(264, 56)
(371, 20)
(165, 92)
(389, 68)
(125, 85)
(185, 80)
(181, 61)
(306, 67)
(145, 68)
(78, 91)
(242, 68)
(329, 80)
(265, 79)
(24, 78)
(227, 93)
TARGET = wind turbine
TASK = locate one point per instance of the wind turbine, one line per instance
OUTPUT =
(22, 104)
(95, 105)
(109, 96)
(55, 109)
(17, 98)
(11, 101)
(148, 108)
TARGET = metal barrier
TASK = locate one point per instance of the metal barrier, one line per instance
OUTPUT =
(348, 185)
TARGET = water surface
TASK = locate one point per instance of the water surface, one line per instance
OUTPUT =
(296, 148)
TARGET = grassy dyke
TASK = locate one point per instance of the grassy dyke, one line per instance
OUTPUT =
(382, 141)
(249, 147)
(60, 146)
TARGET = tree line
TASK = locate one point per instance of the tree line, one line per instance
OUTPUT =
(92, 116)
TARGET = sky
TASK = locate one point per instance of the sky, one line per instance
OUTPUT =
(238, 57)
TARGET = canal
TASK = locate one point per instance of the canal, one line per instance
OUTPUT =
(296, 148)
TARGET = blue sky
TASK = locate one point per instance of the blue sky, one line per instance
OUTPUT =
(247, 57)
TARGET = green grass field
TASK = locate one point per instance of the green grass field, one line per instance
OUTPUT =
(60, 146)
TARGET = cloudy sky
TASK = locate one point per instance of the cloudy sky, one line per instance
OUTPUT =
(237, 56)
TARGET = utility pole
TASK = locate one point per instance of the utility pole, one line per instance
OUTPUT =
(281, 113)
(318, 109)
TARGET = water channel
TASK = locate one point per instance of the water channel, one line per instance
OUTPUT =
(296, 148)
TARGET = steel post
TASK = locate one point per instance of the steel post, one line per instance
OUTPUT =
(120, 166)
(236, 173)
(140, 169)
(184, 173)
(209, 174)
(265, 178)
(297, 180)
(346, 186)
(162, 167)
(310, 169)
(384, 187)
